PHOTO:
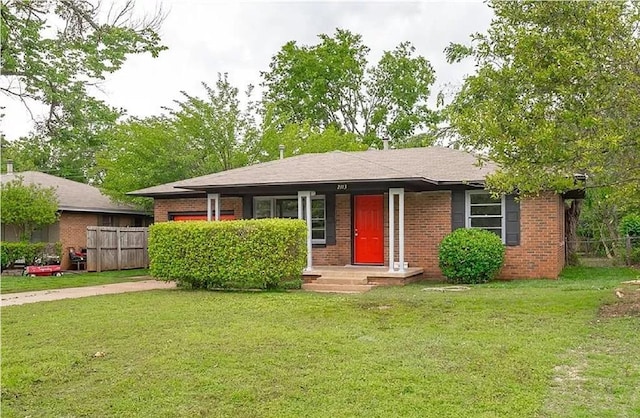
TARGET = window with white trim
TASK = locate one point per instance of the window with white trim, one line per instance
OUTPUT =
(287, 207)
(485, 211)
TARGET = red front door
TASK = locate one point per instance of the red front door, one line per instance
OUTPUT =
(368, 229)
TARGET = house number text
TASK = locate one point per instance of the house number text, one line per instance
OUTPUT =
(341, 187)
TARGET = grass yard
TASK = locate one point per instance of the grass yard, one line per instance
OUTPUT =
(516, 349)
(13, 284)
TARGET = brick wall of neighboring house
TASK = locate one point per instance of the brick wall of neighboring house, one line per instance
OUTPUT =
(541, 250)
(163, 207)
(73, 232)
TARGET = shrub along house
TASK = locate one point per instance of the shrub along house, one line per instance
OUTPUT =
(347, 199)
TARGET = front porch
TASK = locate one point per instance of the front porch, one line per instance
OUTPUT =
(357, 279)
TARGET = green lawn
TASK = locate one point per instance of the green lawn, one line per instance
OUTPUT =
(12, 284)
(517, 349)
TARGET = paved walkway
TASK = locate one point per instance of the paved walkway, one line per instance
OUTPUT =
(11, 299)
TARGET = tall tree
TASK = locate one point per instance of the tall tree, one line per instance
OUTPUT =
(332, 84)
(199, 136)
(555, 93)
(218, 128)
(53, 52)
(300, 138)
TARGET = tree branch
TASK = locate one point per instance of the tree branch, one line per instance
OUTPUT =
(81, 13)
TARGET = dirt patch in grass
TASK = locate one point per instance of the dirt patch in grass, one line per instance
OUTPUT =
(626, 303)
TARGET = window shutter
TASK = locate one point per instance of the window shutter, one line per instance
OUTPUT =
(330, 207)
(457, 209)
(247, 206)
(512, 221)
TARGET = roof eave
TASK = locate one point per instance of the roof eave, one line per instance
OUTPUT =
(302, 183)
(177, 192)
(101, 210)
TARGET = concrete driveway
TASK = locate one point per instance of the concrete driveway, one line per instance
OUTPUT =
(11, 299)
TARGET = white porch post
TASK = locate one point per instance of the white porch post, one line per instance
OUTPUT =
(392, 231)
(400, 193)
(401, 228)
(305, 197)
(213, 211)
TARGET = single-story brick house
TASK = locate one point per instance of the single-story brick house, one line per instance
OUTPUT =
(80, 205)
(347, 197)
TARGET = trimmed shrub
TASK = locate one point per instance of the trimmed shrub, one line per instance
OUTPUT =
(243, 254)
(471, 256)
(630, 225)
(27, 251)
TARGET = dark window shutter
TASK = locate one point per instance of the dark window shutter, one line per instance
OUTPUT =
(512, 221)
(247, 206)
(457, 209)
(330, 207)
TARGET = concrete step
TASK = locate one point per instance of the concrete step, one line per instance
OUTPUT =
(340, 280)
(337, 288)
(343, 273)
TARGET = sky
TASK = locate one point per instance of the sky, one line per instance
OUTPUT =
(207, 37)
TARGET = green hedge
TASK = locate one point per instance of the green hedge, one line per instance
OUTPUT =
(244, 254)
(471, 256)
(12, 251)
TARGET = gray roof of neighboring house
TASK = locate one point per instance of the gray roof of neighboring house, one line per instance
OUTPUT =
(435, 165)
(72, 195)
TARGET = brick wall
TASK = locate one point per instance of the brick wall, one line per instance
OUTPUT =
(427, 221)
(73, 232)
(339, 254)
(541, 250)
(163, 207)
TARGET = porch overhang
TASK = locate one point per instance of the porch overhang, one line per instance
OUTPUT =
(338, 186)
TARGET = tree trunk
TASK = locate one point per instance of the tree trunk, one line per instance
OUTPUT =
(571, 217)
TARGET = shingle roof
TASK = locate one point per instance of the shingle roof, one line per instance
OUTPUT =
(436, 165)
(72, 195)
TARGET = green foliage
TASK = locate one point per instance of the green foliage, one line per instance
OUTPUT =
(630, 225)
(200, 136)
(244, 254)
(27, 207)
(332, 84)
(301, 138)
(52, 51)
(554, 94)
(27, 251)
(471, 256)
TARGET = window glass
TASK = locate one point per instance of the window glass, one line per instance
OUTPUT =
(263, 208)
(486, 222)
(483, 198)
(287, 207)
(485, 212)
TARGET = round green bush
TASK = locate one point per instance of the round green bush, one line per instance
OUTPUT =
(471, 256)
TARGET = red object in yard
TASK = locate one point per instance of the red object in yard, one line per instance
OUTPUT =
(34, 271)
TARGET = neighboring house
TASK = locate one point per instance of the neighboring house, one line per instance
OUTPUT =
(346, 198)
(80, 205)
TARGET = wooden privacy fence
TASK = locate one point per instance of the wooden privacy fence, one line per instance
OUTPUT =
(114, 248)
